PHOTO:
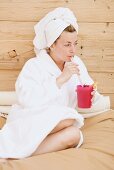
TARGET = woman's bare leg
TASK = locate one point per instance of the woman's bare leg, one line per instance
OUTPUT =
(63, 139)
(63, 124)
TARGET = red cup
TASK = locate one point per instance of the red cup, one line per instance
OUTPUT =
(84, 96)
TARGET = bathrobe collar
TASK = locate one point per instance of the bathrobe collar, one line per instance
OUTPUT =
(48, 63)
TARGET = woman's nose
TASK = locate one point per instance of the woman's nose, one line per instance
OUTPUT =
(72, 49)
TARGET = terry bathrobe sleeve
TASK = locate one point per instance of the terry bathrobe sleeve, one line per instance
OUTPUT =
(32, 87)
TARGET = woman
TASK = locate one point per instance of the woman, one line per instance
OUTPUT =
(45, 119)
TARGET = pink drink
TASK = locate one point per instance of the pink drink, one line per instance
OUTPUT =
(84, 96)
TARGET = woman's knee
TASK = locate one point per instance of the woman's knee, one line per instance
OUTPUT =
(63, 124)
(71, 136)
(66, 123)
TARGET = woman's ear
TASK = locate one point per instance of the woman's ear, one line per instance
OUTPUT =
(52, 47)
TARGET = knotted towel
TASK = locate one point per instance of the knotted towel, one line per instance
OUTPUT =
(49, 28)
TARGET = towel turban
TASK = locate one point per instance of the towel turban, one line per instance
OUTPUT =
(49, 28)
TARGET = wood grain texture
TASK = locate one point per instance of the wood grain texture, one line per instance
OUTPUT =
(103, 79)
(13, 61)
(85, 10)
(96, 58)
(95, 39)
(7, 79)
(12, 30)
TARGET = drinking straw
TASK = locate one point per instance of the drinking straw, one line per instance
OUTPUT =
(78, 75)
(79, 78)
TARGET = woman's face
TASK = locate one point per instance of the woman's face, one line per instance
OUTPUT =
(65, 47)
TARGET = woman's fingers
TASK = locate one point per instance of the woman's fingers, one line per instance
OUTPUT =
(71, 63)
(73, 68)
(93, 95)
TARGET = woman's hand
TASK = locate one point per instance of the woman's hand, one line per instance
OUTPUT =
(93, 95)
(69, 69)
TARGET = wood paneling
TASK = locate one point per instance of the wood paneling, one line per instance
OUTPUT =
(99, 63)
(7, 79)
(96, 31)
(85, 47)
(96, 58)
(20, 46)
(13, 61)
(25, 31)
(105, 81)
(85, 10)
(95, 39)
(16, 30)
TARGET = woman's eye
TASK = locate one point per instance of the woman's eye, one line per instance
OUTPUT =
(67, 45)
(76, 43)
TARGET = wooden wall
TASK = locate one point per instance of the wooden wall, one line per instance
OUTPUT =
(95, 40)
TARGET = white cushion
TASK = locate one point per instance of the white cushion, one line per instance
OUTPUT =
(7, 98)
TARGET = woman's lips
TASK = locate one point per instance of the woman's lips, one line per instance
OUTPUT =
(69, 56)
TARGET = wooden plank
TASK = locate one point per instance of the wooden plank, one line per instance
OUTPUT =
(12, 61)
(96, 31)
(20, 46)
(105, 81)
(94, 44)
(16, 30)
(97, 11)
(98, 55)
(95, 49)
(96, 64)
(25, 31)
(7, 79)
(99, 64)
(85, 47)
(91, 53)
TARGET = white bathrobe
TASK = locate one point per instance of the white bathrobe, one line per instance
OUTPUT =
(41, 106)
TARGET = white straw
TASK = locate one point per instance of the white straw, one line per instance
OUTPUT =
(78, 75)
(80, 80)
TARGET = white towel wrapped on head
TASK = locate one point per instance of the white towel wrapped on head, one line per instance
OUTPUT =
(51, 26)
